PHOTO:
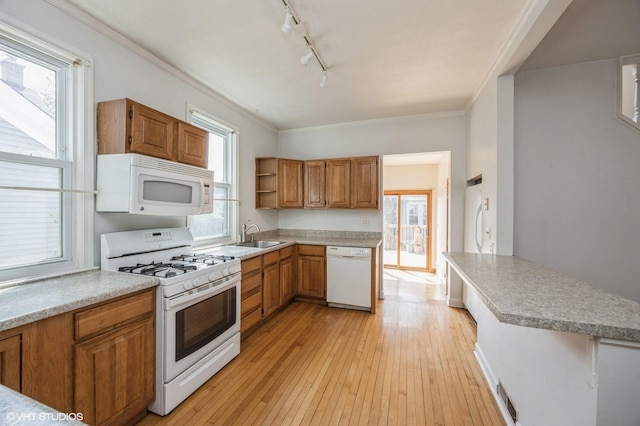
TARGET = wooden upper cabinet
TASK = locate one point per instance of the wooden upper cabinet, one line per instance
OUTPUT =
(152, 132)
(290, 184)
(126, 126)
(364, 183)
(315, 184)
(193, 145)
(339, 183)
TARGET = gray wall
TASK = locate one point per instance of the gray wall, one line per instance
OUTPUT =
(577, 176)
(577, 203)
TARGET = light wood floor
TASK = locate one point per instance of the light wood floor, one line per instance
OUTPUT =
(412, 363)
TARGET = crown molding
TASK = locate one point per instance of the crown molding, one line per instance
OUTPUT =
(386, 120)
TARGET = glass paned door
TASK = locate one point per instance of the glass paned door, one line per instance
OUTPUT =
(407, 218)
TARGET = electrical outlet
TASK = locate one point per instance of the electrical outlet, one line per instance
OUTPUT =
(364, 221)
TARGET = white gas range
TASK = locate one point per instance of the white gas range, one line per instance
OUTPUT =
(197, 306)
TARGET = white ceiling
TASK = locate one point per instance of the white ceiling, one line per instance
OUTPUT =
(384, 58)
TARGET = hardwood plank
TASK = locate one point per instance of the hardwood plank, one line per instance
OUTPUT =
(411, 363)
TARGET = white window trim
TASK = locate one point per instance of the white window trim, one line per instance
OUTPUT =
(622, 61)
(80, 234)
(234, 214)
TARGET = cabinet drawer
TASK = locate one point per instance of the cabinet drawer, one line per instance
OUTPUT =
(111, 315)
(251, 303)
(249, 285)
(270, 258)
(250, 320)
(286, 252)
(252, 264)
(306, 250)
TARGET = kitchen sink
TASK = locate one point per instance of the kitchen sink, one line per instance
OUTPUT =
(259, 243)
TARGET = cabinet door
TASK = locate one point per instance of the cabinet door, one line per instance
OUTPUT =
(311, 276)
(114, 374)
(364, 183)
(287, 280)
(339, 183)
(314, 184)
(152, 132)
(10, 362)
(290, 184)
(193, 145)
(270, 289)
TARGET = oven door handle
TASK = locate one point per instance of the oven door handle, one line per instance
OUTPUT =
(186, 298)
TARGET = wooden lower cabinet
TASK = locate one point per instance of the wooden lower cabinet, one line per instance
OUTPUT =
(312, 271)
(111, 374)
(288, 287)
(11, 359)
(251, 293)
(268, 283)
(270, 289)
(98, 360)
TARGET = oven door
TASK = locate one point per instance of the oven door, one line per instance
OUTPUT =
(197, 322)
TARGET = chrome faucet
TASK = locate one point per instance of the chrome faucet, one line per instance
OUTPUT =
(245, 228)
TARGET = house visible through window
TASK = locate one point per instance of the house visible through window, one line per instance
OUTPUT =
(40, 101)
(220, 226)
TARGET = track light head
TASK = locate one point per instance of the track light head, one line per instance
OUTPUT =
(323, 82)
(306, 58)
(288, 17)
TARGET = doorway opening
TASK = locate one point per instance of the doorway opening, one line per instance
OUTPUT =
(407, 230)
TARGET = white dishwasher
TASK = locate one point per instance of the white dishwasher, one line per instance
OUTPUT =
(349, 277)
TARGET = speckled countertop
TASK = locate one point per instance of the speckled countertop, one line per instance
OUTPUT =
(18, 410)
(29, 302)
(523, 293)
(298, 236)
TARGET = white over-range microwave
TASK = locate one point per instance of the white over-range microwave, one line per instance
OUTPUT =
(139, 184)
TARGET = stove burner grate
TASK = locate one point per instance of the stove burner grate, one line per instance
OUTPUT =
(158, 269)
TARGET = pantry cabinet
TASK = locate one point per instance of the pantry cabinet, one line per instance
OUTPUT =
(126, 126)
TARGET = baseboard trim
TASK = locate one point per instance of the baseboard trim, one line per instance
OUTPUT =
(492, 380)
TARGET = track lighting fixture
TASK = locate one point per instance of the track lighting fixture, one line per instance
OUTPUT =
(292, 21)
(306, 58)
(323, 82)
(288, 17)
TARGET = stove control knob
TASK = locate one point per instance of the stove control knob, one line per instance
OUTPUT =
(212, 276)
(187, 285)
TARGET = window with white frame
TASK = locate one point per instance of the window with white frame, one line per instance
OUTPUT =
(221, 226)
(46, 198)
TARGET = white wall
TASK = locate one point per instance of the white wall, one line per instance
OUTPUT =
(577, 201)
(442, 230)
(119, 72)
(429, 133)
